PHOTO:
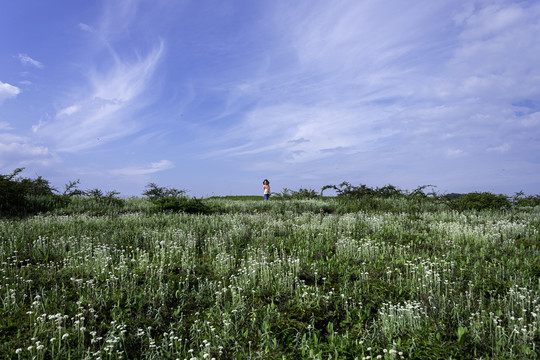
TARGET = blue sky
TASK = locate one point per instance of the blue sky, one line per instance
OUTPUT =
(213, 96)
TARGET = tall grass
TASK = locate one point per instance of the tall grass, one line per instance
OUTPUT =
(318, 279)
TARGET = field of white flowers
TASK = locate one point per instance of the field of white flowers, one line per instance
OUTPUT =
(282, 279)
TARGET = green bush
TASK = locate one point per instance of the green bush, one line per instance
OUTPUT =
(480, 201)
(301, 194)
(388, 191)
(104, 199)
(181, 204)
(348, 191)
(23, 196)
(167, 199)
(521, 200)
(155, 192)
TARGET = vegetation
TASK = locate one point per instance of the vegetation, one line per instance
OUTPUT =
(404, 276)
(174, 200)
(22, 196)
(480, 201)
(301, 194)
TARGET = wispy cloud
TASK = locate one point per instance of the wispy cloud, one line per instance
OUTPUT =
(116, 86)
(8, 91)
(145, 169)
(425, 85)
(86, 27)
(17, 151)
(27, 60)
(503, 148)
(454, 153)
(4, 125)
(316, 90)
(107, 111)
(70, 110)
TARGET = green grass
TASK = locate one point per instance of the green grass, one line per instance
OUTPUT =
(239, 197)
(295, 279)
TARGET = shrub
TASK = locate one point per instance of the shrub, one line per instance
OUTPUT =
(174, 200)
(480, 201)
(104, 199)
(23, 196)
(419, 193)
(348, 191)
(301, 194)
(155, 192)
(388, 191)
(521, 200)
(181, 204)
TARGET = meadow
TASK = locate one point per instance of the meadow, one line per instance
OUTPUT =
(321, 278)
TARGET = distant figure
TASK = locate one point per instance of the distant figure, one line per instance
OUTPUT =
(266, 189)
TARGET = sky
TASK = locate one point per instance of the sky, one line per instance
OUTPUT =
(213, 96)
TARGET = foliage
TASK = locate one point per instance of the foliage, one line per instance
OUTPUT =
(104, 199)
(155, 192)
(24, 196)
(480, 201)
(347, 191)
(174, 200)
(419, 193)
(350, 192)
(388, 191)
(521, 199)
(300, 194)
(181, 204)
(71, 189)
(451, 196)
(271, 280)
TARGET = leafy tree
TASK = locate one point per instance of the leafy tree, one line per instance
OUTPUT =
(174, 200)
(348, 191)
(23, 196)
(155, 192)
(109, 198)
(419, 193)
(388, 191)
(301, 194)
(521, 199)
(480, 201)
(71, 189)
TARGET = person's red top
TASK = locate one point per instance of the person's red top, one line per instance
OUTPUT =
(266, 189)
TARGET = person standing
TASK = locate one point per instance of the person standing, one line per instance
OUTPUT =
(266, 189)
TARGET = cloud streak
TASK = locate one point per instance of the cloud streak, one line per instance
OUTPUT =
(306, 93)
(8, 91)
(27, 60)
(423, 85)
(19, 151)
(107, 111)
(154, 167)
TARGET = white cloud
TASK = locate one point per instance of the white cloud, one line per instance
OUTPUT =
(493, 58)
(531, 120)
(503, 148)
(126, 80)
(106, 112)
(17, 151)
(7, 91)
(453, 153)
(424, 88)
(491, 20)
(86, 27)
(36, 127)
(27, 60)
(144, 170)
(70, 110)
